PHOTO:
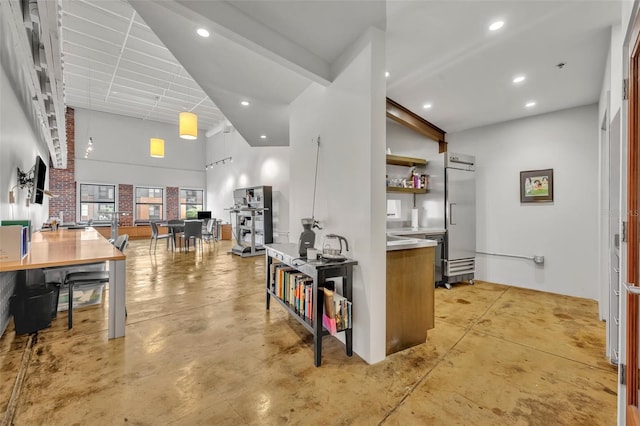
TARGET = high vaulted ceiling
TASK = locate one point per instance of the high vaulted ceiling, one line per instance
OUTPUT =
(267, 52)
(114, 63)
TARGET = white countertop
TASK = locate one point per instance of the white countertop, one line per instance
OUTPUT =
(406, 243)
(410, 231)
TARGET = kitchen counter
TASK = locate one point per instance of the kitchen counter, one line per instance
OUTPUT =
(410, 294)
(410, 231)
(395, 242)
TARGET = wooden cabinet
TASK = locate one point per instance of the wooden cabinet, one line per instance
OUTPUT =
(410, 297)
(398, 160)
(226, 231)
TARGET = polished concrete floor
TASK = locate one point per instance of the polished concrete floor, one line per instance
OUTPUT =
(200, 348)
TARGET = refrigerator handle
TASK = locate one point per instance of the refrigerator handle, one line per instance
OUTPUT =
(451, 222)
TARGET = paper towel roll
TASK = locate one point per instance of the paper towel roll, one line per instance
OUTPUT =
(424, 218)
(414, 218)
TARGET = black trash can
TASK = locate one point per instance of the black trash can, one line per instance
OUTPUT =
(32, 309)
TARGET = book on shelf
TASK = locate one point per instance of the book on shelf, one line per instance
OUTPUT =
(292, 287)
(337, 312)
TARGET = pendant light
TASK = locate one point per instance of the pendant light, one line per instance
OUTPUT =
(188, 125)
(188, 120)
(156, 147)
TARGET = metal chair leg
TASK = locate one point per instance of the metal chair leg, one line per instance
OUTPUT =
(70, 316)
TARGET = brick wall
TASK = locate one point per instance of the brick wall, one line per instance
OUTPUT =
(125, 204)
(173, 203)
(62, 182)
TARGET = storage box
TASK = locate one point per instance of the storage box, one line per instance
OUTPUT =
(83, 295)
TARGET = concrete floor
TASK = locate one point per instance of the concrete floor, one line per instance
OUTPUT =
(200, 348)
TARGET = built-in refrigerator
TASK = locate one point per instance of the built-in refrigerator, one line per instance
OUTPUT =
(460, 219)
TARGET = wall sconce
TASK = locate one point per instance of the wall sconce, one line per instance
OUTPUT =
(222, 161)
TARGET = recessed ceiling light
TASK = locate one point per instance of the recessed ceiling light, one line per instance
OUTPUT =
(496, 25)
(386, 74)
(427, 106)
(519, 79)
(202, 32)
(245, 103)
(263, 136)
(530, 104)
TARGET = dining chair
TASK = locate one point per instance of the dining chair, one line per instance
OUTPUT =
(175, 231)
(192, 229)
(155, 236)
(209, 234)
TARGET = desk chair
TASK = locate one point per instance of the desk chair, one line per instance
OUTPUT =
(156, 236)
(192, 229)
(74, 279)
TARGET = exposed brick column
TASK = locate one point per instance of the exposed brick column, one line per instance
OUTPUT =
(62, 182)
(173, 203)
(125, 204)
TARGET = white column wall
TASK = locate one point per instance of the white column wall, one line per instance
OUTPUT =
(251, 166)
(121, 152)
(565, 231)
(349, 117)
(19, 146)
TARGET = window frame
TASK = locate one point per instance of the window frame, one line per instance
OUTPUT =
(180, 203)
(80, 202)
(163, 206)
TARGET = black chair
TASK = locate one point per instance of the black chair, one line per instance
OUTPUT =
(192, 229)
(157, 236)
(75, 279)
(173, 231)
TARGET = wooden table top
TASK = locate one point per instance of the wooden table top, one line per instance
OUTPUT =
(65, 247)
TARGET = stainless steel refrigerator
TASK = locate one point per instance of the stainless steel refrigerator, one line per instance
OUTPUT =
(460, 219)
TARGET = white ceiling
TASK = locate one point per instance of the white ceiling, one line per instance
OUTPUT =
(114, 63)
(269, 51)
(441, 52)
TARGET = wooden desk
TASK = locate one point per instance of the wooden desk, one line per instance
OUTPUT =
(66, 247)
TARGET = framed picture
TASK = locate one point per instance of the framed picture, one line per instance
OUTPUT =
(536, 186)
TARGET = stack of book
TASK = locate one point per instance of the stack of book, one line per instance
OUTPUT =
(294, 288)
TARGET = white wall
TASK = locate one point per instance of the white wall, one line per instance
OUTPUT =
(565, 231)
(19, 146)
(404, 141)
(349, 117)
(121, 152)
(251, 166)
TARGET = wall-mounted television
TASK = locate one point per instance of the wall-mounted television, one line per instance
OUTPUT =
(39, 176)
(204, 215)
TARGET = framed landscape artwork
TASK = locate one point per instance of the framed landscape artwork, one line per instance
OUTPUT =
(536, 186)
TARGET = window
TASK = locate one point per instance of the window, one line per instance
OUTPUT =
(191, 202)
(96, 201)
(149, 204)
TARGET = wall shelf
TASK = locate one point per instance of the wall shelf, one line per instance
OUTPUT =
(399, 160)
(407, 190)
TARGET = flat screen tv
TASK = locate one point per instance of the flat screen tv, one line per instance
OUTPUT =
(39, 176)
(204, 215)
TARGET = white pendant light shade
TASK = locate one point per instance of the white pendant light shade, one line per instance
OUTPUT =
(156, 147)
(188, 125)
